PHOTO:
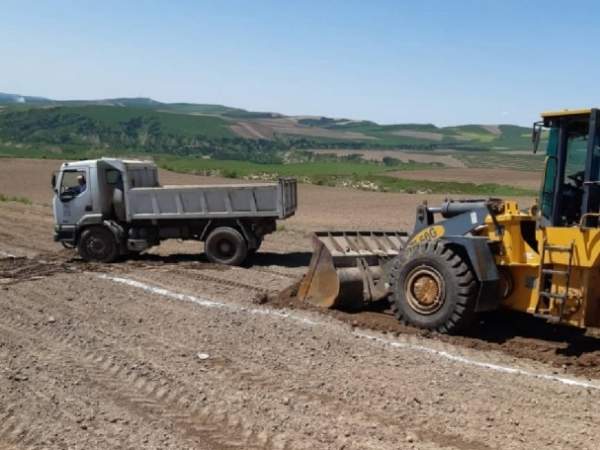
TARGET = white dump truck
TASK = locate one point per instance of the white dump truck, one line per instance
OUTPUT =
(109, 208)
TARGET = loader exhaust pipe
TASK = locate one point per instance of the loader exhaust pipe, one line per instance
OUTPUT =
(347, 268)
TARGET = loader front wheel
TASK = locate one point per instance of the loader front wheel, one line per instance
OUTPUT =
(98, 244)
(226, 245)
(434, 288)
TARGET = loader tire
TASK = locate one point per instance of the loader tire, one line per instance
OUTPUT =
(226, 245)
(98, 244)
(434, 288)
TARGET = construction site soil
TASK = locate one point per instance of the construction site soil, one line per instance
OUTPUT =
(170, 351)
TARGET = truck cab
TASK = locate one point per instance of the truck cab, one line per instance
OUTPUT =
(90, 192)
(108, 208)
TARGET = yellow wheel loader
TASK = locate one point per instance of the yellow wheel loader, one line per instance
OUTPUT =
(465, 257)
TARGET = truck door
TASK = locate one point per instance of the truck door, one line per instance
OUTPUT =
(74, 196)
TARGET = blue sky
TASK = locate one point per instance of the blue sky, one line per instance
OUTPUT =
(445, 62)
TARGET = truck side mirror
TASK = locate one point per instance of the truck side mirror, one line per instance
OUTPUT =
(53, 182)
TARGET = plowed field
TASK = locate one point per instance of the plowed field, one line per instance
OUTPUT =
(169, 351)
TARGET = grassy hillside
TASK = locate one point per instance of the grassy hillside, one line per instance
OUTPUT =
(240, 143)
(305, 132)
(77, 128)
(469, 137)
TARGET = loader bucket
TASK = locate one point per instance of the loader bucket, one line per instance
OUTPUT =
(347, 268)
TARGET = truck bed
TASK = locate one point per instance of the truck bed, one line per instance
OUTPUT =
(276, 200)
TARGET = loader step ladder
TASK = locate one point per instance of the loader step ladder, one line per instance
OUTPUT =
(546, 278)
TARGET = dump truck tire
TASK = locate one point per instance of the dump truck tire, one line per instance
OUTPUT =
(98, 244)
(433, 287)
(226, 245)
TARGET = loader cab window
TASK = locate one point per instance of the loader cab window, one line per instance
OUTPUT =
(568, 190)
(593, 185)
(572, 195)
(547, 194)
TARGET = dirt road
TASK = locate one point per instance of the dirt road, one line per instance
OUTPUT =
(174, 352)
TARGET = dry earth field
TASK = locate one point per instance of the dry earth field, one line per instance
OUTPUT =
(507, 177)
(168, 351)
(378, 155)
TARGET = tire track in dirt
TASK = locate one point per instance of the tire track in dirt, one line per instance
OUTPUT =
(532, 340)
(446, 350)
(109, 338)
(244, 377)
(247, 378)
(149, 399)
(279, 273)
(196, 271)
(16, 429)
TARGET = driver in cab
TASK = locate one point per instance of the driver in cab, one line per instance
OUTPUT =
(80, 187)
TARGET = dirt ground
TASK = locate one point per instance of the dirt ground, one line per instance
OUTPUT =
(168, 351)
(378, 155)
(507, 177)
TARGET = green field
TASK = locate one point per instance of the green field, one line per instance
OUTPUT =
(366, 176)
(244, 168)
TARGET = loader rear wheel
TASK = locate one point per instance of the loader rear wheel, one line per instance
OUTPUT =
(434, 288)
(98, 244)
(226, 245)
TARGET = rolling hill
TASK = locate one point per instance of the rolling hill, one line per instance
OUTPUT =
(147, 125)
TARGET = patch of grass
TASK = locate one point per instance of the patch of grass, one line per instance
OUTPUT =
(6, 198)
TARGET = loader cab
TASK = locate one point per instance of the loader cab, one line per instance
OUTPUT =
(570, 192)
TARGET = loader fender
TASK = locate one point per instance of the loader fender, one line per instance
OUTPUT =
(430, 233)
(482, 261)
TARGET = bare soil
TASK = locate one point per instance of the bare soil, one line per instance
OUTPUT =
(507, 177)
(226, 358)
(289, 125)
(494, 129)
(378, 155)
(419, 134)
(252, 130)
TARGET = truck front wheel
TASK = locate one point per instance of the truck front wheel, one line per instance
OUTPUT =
(226, 245)
(98, 244)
